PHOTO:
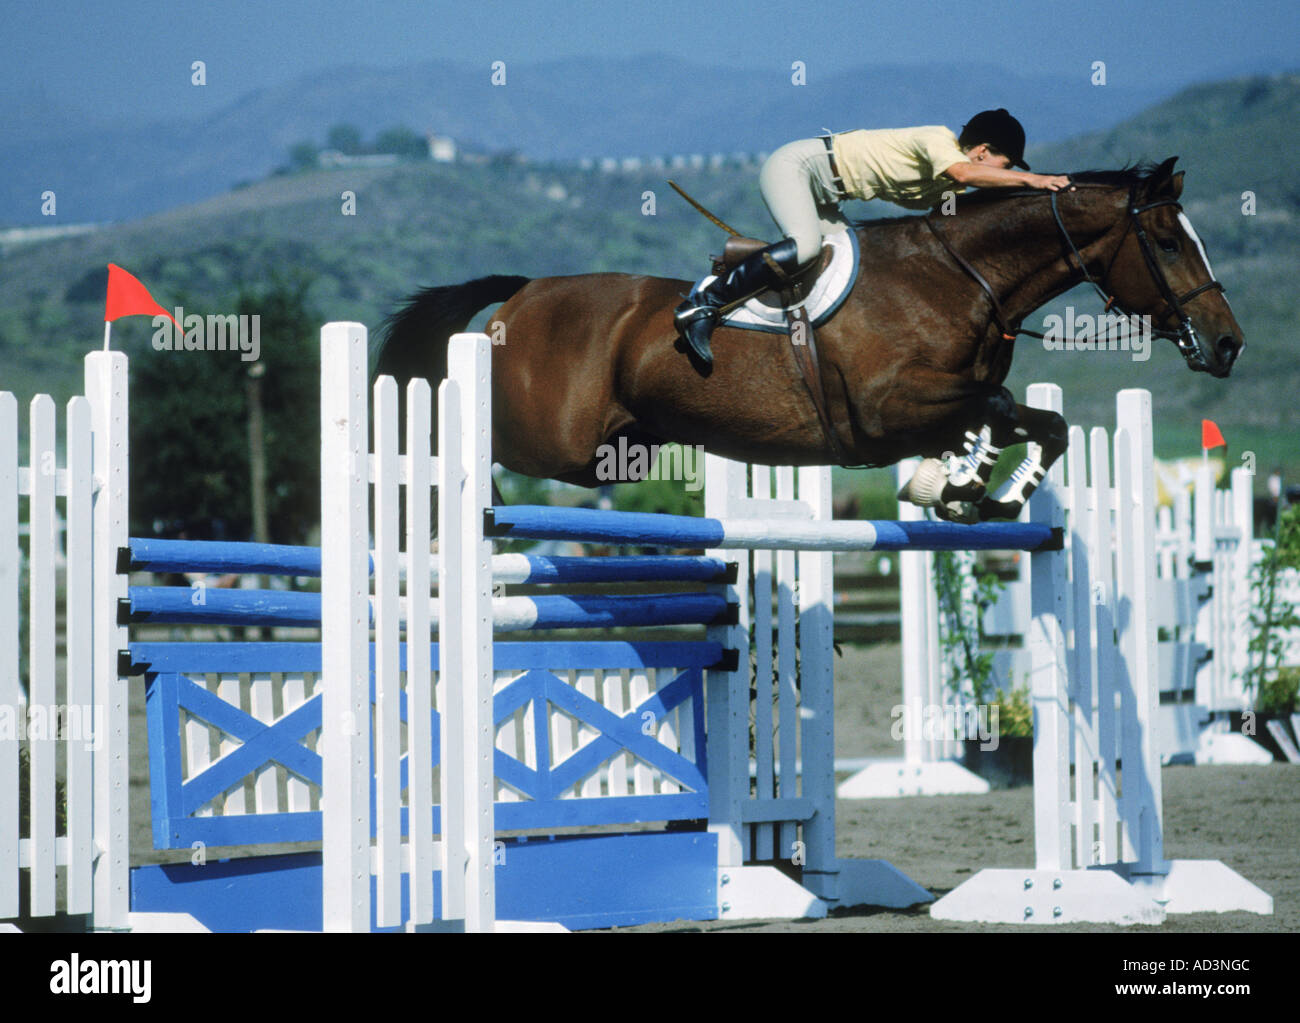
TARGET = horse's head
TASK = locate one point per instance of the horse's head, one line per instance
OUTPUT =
(1161, 270)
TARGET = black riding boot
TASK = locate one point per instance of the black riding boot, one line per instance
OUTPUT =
(699, 315)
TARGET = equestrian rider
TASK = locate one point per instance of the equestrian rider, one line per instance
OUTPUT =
(804, 182)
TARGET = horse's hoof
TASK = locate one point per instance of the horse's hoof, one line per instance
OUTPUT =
(972, 492)
(990, 509)
(958, 511)
(926, 484)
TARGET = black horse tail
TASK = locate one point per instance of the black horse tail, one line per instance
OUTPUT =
(415, 337)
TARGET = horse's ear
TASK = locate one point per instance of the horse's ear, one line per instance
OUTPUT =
(1163, 182)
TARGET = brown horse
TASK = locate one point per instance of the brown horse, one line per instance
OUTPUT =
(913, 363)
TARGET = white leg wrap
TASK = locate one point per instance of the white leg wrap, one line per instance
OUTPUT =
(927, 483)
(1026, 478)
(977, 464)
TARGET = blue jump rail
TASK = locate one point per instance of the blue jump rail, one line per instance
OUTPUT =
(222, 557)
(217, 557)
(587, 525)
(175, 605)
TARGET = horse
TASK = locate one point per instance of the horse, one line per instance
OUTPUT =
(912, 363)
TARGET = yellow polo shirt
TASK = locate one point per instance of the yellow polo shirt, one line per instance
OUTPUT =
(902, 165)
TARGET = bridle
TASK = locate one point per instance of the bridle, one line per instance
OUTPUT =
(1185, 336)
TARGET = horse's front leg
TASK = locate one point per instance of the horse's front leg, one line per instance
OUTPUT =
(954, 491)
(1047, 435)
(954, 485)
(958, 492)
(969, 480)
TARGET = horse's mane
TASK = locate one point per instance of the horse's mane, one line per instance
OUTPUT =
(1125, 177)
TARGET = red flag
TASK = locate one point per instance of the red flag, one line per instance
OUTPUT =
(128, 297)
(1211, 437)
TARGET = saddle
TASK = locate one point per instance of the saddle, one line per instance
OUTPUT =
(789, 299)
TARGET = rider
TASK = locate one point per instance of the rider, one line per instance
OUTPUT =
(803, 183)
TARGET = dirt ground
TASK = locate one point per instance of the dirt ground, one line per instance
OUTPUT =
(1248, 817)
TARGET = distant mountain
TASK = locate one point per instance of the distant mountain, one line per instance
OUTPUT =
(561, 110)
(424, 223)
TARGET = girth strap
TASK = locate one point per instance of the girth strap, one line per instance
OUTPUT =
(809, 363)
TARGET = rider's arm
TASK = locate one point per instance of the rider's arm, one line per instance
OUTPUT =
(982, 176)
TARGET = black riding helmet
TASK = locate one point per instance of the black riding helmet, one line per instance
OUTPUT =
(1000, 130)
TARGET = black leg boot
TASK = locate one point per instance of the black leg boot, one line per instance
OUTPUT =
(697, 317)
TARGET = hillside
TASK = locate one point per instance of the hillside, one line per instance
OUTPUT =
(555, 110)
(419, 224)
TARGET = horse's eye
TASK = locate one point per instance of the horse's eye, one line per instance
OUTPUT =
(1169, 245)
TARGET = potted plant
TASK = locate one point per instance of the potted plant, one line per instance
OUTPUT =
(1011, 761)
(1273, 686)
(1004, 755)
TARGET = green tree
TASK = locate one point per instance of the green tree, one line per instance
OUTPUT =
(303, 155)
(346, 138)
(190, 433)
(1272, 616)
(403, 142)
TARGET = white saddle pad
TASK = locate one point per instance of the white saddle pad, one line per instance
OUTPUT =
(828, 293)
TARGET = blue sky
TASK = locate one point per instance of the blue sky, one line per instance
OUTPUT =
(132, 57)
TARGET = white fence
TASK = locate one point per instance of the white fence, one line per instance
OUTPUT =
(1201, 604)
(73, 720)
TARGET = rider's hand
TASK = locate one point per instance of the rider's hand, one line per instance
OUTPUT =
(1051, 182)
